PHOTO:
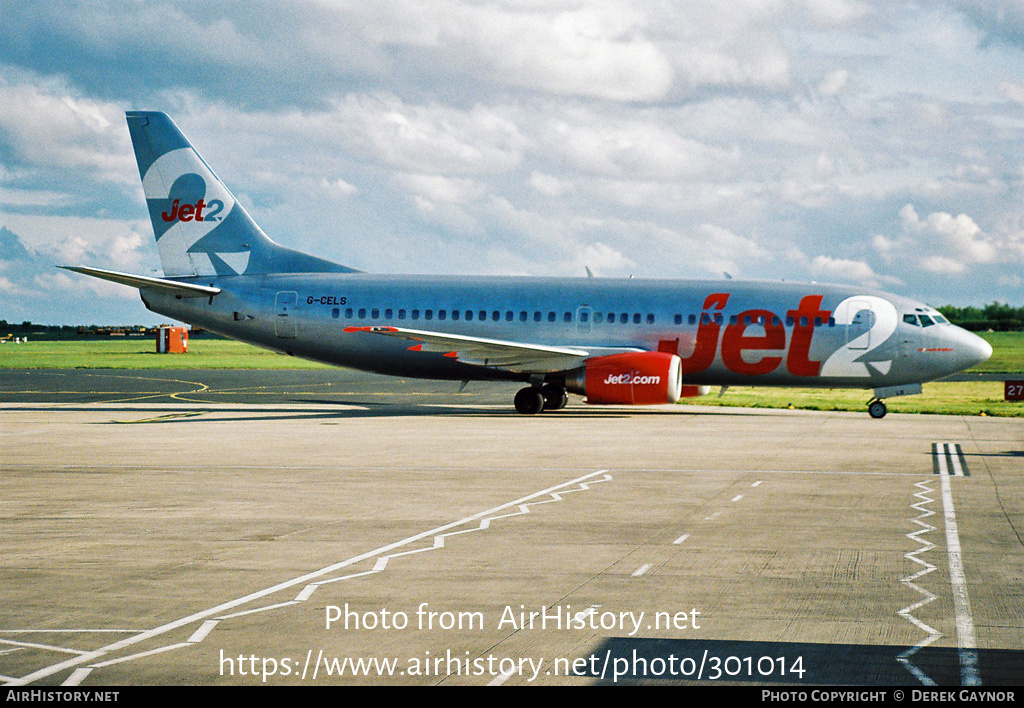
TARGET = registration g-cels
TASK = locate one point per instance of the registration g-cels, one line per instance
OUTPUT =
(512, 618)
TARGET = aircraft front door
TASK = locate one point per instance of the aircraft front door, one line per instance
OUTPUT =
(858, 334)
(284, 323)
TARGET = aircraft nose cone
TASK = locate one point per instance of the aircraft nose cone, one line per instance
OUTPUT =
(980, 350)
(971, 349)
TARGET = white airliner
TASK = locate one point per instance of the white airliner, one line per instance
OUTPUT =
(614, 341)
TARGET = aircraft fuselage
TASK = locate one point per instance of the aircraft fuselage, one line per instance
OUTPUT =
(726, 332)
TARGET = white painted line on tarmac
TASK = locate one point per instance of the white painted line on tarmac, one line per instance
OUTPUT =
(48, 647)
(130, 657)
(906, 657)
(965, 641)
(757, 483)
(501, 678)
(257, 609)
(641, 570)
(680, 539)
(948, 459)
(76, 677)
(68, 631)
(556, 491)
(200, 634)
(737, 497)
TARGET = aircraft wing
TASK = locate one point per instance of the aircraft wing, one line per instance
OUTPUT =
(145, 281)
(493, 353)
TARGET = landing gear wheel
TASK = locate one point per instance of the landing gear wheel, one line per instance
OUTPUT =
(877, 409)
(529, 401)
(555, 397)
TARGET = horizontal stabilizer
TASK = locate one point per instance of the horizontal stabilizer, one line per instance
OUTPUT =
(144, 281)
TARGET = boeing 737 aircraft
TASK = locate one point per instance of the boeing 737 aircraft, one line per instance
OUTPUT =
(614, 341)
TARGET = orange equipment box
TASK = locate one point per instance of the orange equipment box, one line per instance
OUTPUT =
(172, 340)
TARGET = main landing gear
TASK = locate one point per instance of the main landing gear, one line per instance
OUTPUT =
(534, 399)
(876, 408)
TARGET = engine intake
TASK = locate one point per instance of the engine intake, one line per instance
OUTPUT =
(632, 378)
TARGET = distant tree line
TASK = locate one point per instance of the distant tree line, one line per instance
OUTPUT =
(999, 317)
(41, 332)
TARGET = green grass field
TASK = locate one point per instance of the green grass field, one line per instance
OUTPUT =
(971, 398)
(1007, 353)
(949, 398)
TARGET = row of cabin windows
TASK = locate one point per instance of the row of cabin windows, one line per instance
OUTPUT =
(493, 316)
(718, 318)
(598, 317)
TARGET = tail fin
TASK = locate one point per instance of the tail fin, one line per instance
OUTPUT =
(201, 229)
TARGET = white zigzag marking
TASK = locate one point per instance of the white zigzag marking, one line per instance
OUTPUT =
(439, 540)
(79, 674)
(906, 613)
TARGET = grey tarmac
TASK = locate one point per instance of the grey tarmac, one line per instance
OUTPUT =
(203, 527)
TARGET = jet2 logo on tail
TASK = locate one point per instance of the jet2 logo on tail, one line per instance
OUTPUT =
(190, 212)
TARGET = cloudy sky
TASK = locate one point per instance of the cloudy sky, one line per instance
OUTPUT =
(860, 141)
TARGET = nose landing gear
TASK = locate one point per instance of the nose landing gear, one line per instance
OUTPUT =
(876, 408)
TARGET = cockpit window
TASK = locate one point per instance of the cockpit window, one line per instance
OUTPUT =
(911, 320)
(926, 321)
(940, 319)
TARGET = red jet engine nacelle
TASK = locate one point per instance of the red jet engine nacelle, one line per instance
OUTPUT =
(632, 378)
